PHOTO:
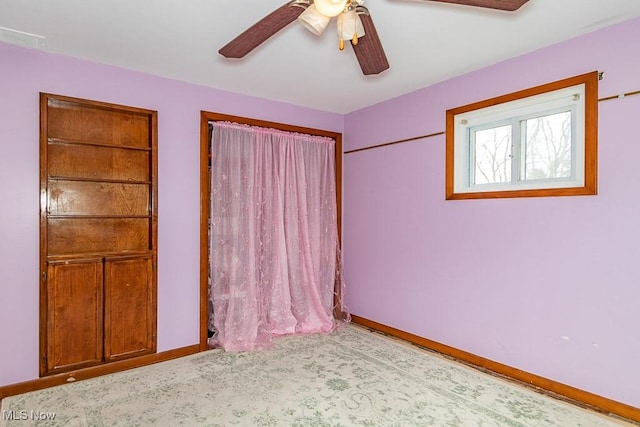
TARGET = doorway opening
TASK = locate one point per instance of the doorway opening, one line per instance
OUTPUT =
(206, 119)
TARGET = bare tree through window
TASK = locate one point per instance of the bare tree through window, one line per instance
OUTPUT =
(493, 155)
(548, 146)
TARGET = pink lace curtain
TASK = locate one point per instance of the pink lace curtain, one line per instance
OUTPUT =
(273, 234)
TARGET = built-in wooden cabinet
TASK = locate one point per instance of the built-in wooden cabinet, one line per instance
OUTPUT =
(98, 233)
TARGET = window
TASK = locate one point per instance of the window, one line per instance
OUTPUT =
(537, 142)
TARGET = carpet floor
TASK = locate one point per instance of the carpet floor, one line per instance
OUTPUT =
(350, 377)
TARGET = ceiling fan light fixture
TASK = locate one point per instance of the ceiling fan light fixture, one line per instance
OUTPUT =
(330, 7)
(350, 26)
(313, 20)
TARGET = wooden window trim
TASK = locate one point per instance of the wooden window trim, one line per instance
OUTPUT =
(590, 80)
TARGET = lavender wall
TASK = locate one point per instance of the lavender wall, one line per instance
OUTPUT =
(23, 74)
(547, 285)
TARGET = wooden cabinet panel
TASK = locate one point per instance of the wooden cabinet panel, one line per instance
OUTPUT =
(129, 307)
(74, 314)
(71, 121)
(97, 162)
(93, 235)
(97, 198)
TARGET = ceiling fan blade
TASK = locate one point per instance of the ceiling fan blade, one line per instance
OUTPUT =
(369, 49)
(259, 32)
(509, 5)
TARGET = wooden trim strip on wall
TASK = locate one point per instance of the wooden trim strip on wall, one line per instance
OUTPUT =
(608, 98)
(95, 371)
(622, 95)
(562, 391)
(394, 142)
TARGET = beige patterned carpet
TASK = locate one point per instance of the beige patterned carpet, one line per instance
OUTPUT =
(351, 377)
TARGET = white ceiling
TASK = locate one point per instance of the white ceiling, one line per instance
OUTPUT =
(425, 42)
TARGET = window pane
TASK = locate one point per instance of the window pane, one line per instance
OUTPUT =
(548, 147)
(492, 151)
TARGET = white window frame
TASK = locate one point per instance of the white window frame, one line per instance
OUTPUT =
(577, 95)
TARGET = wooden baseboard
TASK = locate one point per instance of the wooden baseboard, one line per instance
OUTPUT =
(559, 390)
(95, 371)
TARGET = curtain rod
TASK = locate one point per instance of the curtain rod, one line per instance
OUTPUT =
(608, 98)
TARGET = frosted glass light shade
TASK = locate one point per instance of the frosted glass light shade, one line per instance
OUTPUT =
(313, 20)
(330, 7)
(349, 23)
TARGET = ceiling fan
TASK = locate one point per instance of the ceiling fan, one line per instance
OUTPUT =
(354, 25)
